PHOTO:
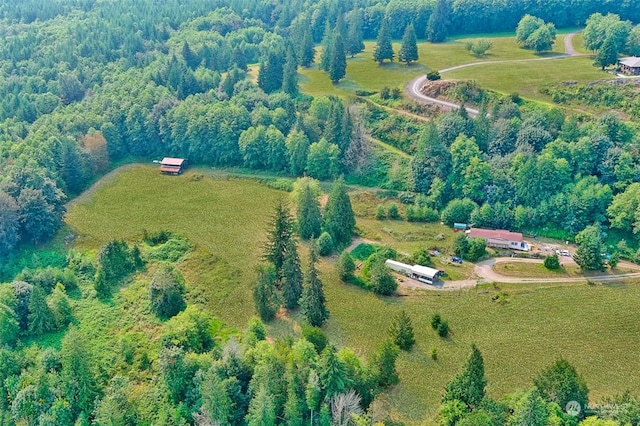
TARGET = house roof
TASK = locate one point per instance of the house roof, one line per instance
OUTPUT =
(631, 61)
(499, 234)
(169, 161)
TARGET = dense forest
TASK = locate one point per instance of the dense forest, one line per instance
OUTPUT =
(86, 85)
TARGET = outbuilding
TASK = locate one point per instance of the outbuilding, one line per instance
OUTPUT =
(173, 166)
(630, 65)
(417, 272)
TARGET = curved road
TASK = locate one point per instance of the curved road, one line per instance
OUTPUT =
(413, 87)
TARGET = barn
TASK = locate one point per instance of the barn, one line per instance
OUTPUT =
(630, 65)
(500, 238)
(173, 166)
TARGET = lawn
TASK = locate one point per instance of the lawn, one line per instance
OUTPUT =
(526, 78)
(590, 325)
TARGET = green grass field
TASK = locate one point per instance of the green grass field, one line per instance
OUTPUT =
(590, 325)
(523, 78)
(537, 270)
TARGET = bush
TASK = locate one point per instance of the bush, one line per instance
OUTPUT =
(345, 266)
(435, 321)
(422, 257)
(325, 244)
(443, 329)
(392, 211)
(363, 251)
(315, 336)
(171, 250)
(189, 330)
(385, 93)
(434, 354)
(158, 237)
(552, 262)
(381, 279)
(433, 76)
(165, 292)
(381, 214)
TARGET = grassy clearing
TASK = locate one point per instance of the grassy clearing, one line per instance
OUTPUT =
(225, 218)
(526, 78)
(364, 73)
(537, 270)
(590, 325)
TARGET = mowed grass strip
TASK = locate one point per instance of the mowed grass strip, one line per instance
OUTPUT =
(537, 270)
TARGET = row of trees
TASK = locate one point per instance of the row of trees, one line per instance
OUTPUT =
(609, 36)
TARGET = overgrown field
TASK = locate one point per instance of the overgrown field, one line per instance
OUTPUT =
(531, 326)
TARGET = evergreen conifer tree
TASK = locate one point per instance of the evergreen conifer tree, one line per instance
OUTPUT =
(383, 49)
(290, 73)
(291, 276)
(409, 49)
(264, 293)
(262, 411)
(338, 62)
(313, 301)
(40, 316)
(354, 43)
(339, 219)
(469, 385)
(308, 215)
(345, 266)
(332, 372)
(307, 51)
(401, 331)
(327, 47)
(278, 235)
(438, 24)
(384, 364)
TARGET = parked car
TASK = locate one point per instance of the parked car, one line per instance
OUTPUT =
(456, 259)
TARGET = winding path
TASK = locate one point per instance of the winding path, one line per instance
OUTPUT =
(414, 86)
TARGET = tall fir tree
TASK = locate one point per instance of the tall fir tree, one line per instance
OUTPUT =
(401, 331)
(354, 43)
(327, 47)
(469, 385)
(332, 372)
(77, 377)
(383, 49)
(439, 21)
(409, 49)
(41, 319)
(313, 301)
(290, 73)
(307, 49)
(262, 409)
(292, 276)
(279, 234)
(338, 62)
(308, 214)
(270, 73)
(264, 293)
(339, 219)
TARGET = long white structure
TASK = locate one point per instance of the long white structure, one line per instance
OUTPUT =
(418, 272)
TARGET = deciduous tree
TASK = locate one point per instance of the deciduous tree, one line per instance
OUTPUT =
(590, 248)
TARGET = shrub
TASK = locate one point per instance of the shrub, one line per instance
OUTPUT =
(325, 244)
(435, 321)
(345, 266)
(434, 354)
(395, 93)
(381, 279)
(189, 330)
(443, 329)
(392, 211)
(165, 292)
(315, 336)
(381, 214)
(171, 250)
(155, 238)
(433, 76)
(422, 257)
(552, 262)
(385, 93)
